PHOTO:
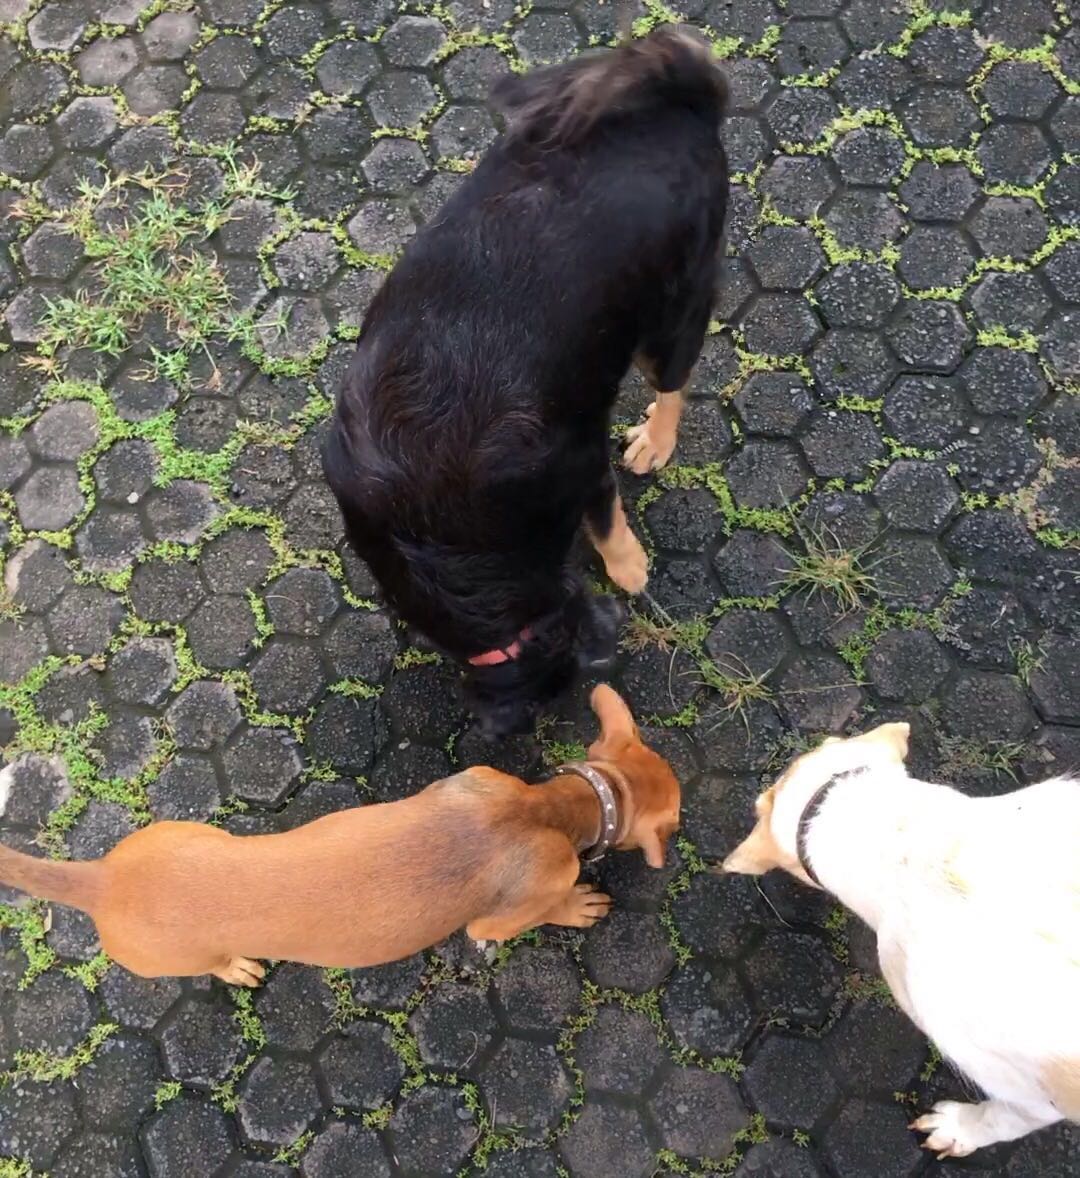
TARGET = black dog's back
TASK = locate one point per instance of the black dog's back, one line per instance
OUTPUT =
(473, 423)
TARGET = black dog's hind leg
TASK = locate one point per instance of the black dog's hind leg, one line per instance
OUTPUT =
(605, 523)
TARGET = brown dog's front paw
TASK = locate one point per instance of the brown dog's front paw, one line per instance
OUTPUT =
(242, 971)
(630, 568)
(582, 908)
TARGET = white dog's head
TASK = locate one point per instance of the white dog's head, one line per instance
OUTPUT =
(772, 842)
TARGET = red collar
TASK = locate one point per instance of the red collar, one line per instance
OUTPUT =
(506, 654)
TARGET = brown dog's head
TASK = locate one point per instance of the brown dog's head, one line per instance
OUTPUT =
(650, 792)
(772, 841)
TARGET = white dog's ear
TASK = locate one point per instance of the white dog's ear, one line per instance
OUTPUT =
(892, 737)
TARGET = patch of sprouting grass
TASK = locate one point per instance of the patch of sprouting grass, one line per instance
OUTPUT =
(964, 755)
(737, 684)
(827, 569)
(1028, 658)
(665, 633)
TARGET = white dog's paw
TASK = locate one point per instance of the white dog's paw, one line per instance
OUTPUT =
(953, 1128)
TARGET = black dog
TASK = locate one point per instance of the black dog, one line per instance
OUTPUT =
(470, 441)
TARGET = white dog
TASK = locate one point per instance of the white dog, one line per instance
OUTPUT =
(976, 906)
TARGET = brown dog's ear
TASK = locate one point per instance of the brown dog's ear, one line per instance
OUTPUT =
(892, 737)
(616, 719)
(756, 854)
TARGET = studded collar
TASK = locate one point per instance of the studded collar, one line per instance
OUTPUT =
(609, 806)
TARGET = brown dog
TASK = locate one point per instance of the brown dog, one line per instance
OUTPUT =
(374, 884)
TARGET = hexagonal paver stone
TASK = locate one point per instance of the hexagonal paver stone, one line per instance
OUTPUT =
(187, 1137)
(262, 765)
(871, 1139)
(618, 1051)
(346, 67)
(707, 1010)
(387, 987)
(34, 786)
(793, 976)
(786, 257)
(361, 645)
(279, 1100)
(201, 1043)
(1060, 270)
(916, 495)
(911, 572)
(23, 644)
(1014, 153)
(170, 35)
(230, 61)
(766, 474)
(997, 457)
(49, 499)
(851, 363)
(987, 707)
(817, 693)
(857, 294)
(607, 1142)
(1009, 227)
(181, 512)
(683, 520)
(628, 950)
(36, 575)
(906, 665)
(869, 155)
(54, 1014)
(222, 631)
(142, 671)
(453, 1027)
(924, 411)
(929, 335)
(698, 1113)
(747, 641)
(400, 99)
(841, 443)
(85, 620)
(107, 61)
(343, 1149)
(780, 325)
(236, 561)
(1053, 1154)
(752, 564)
(50, 252)
(875, 1046)
(527, 1086)
(99, 1153)
(301, 601)
(295, 1006)
(35, 1121)
(773, 403)
(799, 115)
(1003, 380)
(939, 192)
(431, 1131)
(119, 1083)
(307, 261)
(125, 472)
(288, 677)
(789, 1081)
(933, 256)
(361, 1068)
(1017, 302)
(779, 1159)
(1055, 682)
(203, 716)
(797, 185)
(186, 790)
(137, 1002)
(539, 989)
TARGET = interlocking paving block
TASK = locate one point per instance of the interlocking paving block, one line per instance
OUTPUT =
(608, 1142)
(698, 1113)
(897, 313)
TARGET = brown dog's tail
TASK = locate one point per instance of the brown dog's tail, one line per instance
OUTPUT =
(559, 105)
(73, 884)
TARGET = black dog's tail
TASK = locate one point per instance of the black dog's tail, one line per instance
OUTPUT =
(558, 106)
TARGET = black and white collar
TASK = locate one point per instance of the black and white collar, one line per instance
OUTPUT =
(609, 807)
(811, 811)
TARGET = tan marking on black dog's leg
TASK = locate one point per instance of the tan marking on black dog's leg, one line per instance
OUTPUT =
(651, 444)
(625, 561)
